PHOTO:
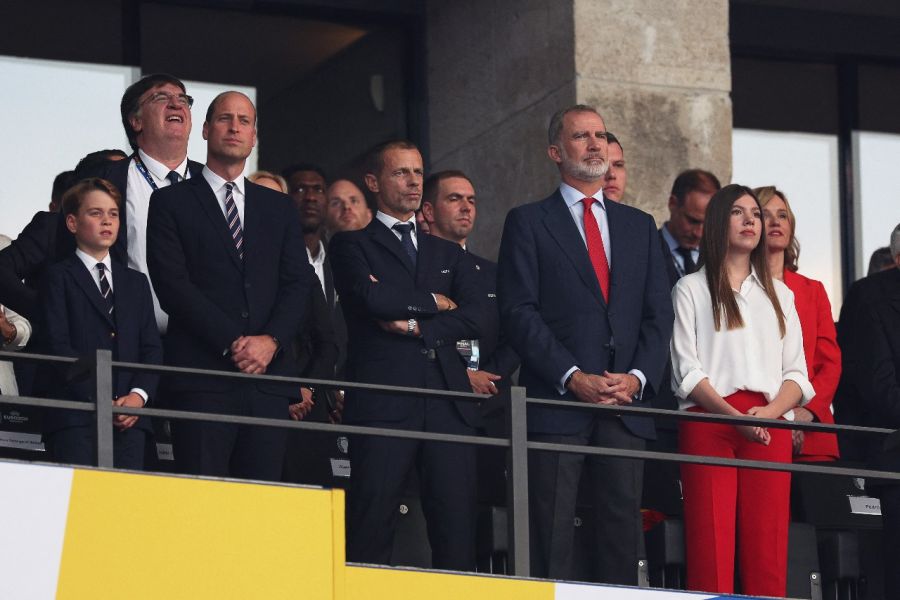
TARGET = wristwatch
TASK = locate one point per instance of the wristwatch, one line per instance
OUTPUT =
(411, 327)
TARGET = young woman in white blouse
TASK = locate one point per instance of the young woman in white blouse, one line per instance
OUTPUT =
(737, 349)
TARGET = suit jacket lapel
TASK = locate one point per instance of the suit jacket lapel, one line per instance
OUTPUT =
(382, 235)
(123, 304)
(620, 237)
(563, 229)
(423, 258)
(210, 205)
(329, 282)
(86, 282)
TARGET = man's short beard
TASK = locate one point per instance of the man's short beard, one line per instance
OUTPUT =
(583, 171)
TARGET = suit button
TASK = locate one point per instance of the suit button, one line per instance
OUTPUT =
(245, 314)
(246, 286)
(423, 351)
(409, 308)
(112, 334)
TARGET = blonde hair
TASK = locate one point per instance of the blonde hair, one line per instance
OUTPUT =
(256, 176)
(792, 252)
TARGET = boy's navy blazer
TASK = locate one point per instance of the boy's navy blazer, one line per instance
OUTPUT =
(77, 323)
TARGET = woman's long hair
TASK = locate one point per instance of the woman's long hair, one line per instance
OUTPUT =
(792, 252)
(714, 248)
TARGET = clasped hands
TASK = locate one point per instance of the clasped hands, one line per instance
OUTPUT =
(252, 354)
(608, 388)
(760, 435)
(132, 400)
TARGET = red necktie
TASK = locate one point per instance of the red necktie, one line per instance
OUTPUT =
(595, 248)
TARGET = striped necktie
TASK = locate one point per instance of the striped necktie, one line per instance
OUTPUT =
(234, 219)
(106, 289)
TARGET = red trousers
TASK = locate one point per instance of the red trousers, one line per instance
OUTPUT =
(719, 499)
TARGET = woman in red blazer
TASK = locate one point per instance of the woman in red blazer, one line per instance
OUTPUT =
(823, 356)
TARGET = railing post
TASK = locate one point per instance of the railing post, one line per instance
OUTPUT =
(517, 485)
(103, 393)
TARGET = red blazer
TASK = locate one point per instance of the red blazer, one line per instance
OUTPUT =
(823, 360)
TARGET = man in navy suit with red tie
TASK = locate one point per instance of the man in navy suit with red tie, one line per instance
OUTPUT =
(227, 261)
(585, 303)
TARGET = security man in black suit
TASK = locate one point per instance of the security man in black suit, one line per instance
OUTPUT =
(449, 208)
(407, 299)
(226, 258)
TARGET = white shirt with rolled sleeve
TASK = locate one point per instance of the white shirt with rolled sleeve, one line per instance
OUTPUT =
(753, 358)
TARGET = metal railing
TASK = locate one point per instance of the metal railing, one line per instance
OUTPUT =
(101, 365)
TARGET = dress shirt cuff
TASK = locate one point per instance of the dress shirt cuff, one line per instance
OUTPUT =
(689, 382)
(141, 393)
(561, 386)
(806, 387)
(789, 415)
(643, 379)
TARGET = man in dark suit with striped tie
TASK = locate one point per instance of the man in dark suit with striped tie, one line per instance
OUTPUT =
(227, 261)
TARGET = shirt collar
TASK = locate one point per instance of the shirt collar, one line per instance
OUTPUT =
(571, 196)
(319, 258)
(217, 183)
(390, 221)
(754, 276)
(159, 170)
(670, 239)
(751, 280)
(90, 262)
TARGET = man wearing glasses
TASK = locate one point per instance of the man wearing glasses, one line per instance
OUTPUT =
(156, 114)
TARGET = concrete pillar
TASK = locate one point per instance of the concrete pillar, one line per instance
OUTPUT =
(658, 72)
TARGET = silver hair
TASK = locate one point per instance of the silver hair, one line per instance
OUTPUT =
(556, 121)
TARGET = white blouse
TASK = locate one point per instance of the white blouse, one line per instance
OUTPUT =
(754, 358)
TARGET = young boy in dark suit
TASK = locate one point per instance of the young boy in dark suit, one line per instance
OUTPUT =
(91, 302)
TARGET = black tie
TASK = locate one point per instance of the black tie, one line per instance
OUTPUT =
(105, 289)
(173, 177)
(406, 240)
(689, 265)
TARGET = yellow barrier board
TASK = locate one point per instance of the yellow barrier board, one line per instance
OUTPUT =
(367, 583)
(142, 536)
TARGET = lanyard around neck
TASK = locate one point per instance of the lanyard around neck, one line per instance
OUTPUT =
(142, 169)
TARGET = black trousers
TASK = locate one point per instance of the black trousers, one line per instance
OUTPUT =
(76, 446)
(447, 472)
(226, 449)
(614, 488)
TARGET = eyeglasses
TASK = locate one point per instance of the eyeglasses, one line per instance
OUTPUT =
(166, 98)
